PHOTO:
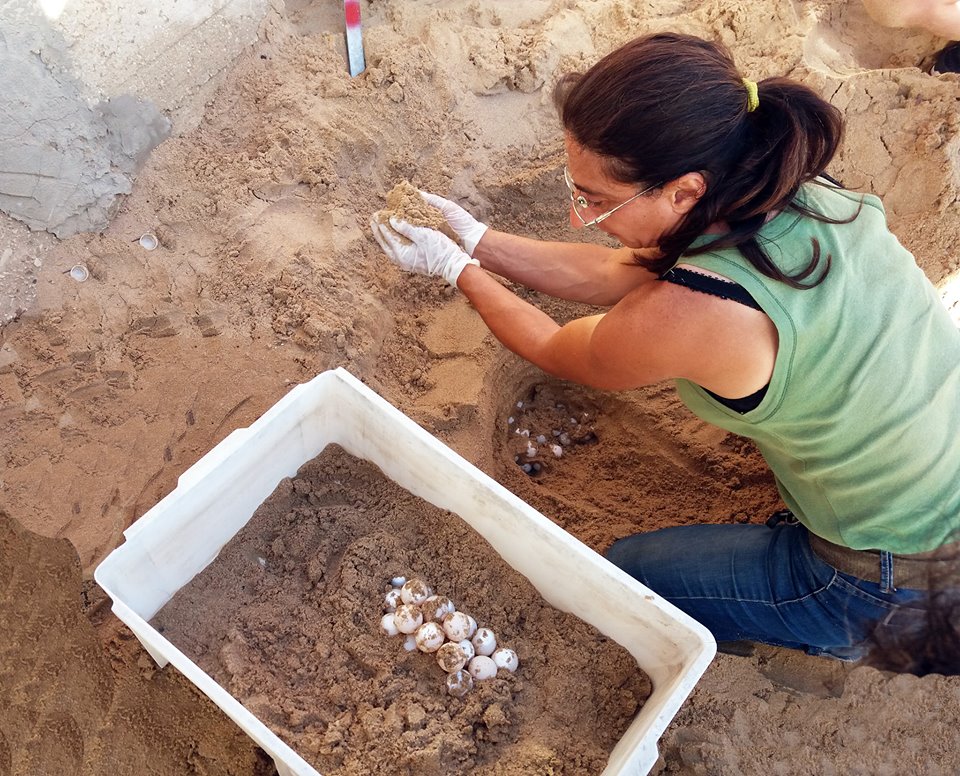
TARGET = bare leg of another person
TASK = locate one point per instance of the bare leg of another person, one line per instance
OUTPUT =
(940, 17)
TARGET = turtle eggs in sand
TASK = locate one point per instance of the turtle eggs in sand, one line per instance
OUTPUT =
(482, 667)
(407, 618)
(392, 599)
(451, 657)
(388, 625)
(484, 642)
(459, 683)
(414, 591)
(506, 658)
(459, 626)
(429, 637)
(436, 607)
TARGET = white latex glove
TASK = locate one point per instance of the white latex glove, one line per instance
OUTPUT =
(468, 228)
(428, 253)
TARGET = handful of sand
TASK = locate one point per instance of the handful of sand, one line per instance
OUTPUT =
(405, 202)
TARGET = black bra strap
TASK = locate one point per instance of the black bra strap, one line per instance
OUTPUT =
(725, 289)
(697, 281)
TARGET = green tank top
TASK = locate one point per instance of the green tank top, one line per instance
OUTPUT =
(861, 421)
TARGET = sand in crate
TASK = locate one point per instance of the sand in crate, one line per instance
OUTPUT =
(287, 620)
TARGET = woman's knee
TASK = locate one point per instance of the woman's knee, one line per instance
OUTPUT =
(620, 551)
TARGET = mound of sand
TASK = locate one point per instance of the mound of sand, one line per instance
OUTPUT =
(405, 202)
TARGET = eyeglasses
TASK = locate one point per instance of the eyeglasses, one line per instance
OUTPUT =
(580, 202)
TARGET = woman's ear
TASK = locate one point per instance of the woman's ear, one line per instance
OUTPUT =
(686, 191)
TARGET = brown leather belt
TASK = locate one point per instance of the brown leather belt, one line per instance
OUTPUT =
(910, 571)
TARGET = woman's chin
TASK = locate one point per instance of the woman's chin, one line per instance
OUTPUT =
(627, 241)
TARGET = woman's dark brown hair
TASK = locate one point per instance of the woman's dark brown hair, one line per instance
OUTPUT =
(668, 104)
(925, 637)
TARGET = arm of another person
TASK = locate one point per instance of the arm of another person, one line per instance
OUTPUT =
(656, 332)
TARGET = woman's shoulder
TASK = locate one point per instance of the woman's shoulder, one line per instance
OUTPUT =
(829, 199)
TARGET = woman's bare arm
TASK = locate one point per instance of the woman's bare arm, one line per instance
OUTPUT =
(579, 272)
(659, 331)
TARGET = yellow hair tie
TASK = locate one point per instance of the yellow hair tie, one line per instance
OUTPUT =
(753, 96)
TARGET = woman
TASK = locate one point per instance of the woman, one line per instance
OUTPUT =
(780, 304)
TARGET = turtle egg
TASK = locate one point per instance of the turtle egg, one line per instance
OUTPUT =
(398, 581)
(407, 618)
(506, 658)
(392, 599)
(451, 657)
(410, 643)
(482, 667)
(468, 648)
(484, 642)
(388, 626)
(459, 683)
(413, 591)
(459, 626)
(429, 637)
(557, 450)
(436, 607)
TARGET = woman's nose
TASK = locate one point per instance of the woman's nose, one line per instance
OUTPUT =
(575, 221)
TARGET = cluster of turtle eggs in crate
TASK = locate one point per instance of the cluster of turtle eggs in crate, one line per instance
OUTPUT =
(432, 624)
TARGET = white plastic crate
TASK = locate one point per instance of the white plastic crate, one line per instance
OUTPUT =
(216, 497)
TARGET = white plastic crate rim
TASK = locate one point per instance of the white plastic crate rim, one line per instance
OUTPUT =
(216, 497)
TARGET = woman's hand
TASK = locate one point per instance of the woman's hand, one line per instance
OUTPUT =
(468, 228)
(425, 251)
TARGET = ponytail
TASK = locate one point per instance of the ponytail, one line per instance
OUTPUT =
(668, 104)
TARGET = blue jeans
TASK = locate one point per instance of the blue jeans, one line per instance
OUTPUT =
(760, 584)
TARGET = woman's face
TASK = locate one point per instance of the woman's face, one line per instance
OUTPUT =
(638, 224)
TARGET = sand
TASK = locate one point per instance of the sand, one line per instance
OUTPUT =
(266, 275)
(404, 201)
